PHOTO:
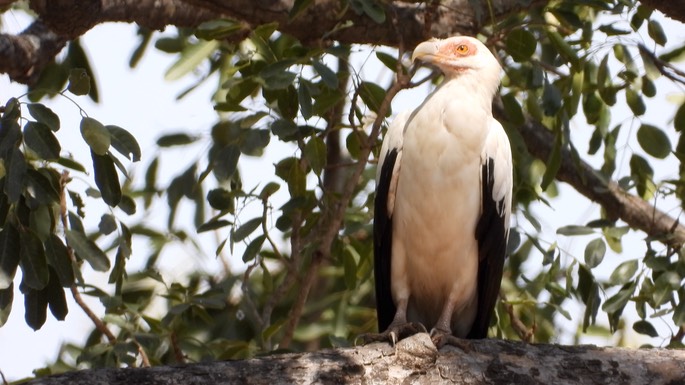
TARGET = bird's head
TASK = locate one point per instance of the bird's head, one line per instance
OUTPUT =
(459, 55)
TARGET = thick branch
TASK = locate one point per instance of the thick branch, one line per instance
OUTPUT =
(415, 361)
(675, 9)
(634, 211)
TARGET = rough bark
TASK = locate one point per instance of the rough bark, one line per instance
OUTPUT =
(414, 361)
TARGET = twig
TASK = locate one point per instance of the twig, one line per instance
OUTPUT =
(678, 337)
(99, 325)
(265, 212)
(302, 296)
(143, 355)
(178, 352)
(519, 327)
(288, 281)
(4, 380)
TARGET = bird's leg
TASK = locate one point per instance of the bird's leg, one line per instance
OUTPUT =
(398, 329)
(441, 334)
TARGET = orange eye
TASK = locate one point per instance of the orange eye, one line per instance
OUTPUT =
(462, 49)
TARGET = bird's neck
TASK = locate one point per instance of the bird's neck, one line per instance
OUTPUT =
(480, 86)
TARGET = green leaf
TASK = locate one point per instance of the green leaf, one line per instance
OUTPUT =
(372, 94)
(284, 129)
(57, 301)
(315, 153)
(654, 141)
(87, 250)
(246, 229)
(10, 249)
(217, 29)
(124, 142)
(594, 252)
(644, 327)
(213, 225)
(179, 139)
(304, 98)
(635, 102)
(565, 50)
(553, 163)
(190, 58)
(34, 264)
(58, 257)
(679, 120)
(619, 300)
(269, 190)
(656, 32)
(42, 141)
(79, 82)
(106, 178)
(290, 171)
(520, 44)
(6, 299)
(329, 77)
(95, 135)
(107, 224)
(77, 58)
(35, 307)
(387, 60)
(253, 248)
(72, 164)
(551, 99)
(16, 174)
(220, 199)
(371, 8)
(40, 188)
(44, 115)
(299, 6)
(513, 109)
(226, 162)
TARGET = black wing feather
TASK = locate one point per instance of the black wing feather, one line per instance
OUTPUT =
(382, 243)
(492, 236)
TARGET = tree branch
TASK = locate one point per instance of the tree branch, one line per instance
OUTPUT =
(635, 211)
(415, 360)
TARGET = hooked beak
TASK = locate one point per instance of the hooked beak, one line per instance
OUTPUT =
(425, 51)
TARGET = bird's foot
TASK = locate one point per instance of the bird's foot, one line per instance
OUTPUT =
(441, 338)
(394, 333)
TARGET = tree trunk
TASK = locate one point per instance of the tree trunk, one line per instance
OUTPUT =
(415, 360)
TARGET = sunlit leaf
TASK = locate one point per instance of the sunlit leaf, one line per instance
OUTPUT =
(190, 58)
(79, 82)
(95, 135)
(520, 44)
(594, 252)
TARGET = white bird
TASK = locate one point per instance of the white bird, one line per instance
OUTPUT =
(443, 201)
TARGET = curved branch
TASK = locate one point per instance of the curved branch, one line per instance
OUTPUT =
(414, 360)
(635, 211)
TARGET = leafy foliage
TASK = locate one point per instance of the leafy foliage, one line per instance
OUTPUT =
(305, 239)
